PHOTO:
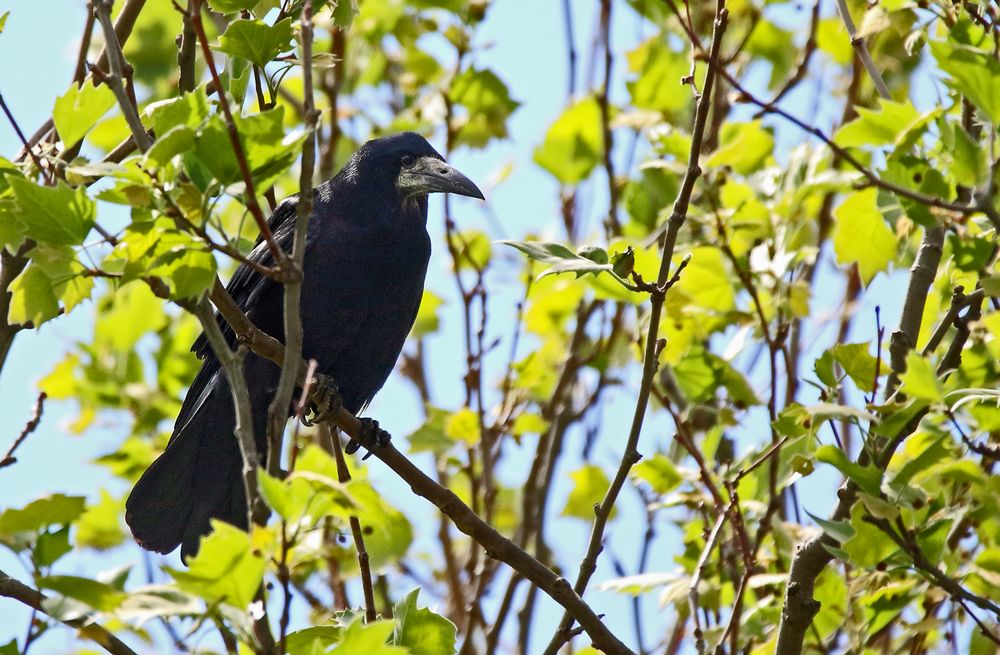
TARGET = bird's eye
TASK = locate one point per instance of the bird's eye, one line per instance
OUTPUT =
(407, 160)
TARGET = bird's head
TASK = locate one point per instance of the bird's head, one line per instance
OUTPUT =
(407, 162)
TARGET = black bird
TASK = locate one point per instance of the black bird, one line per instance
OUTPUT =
(366, 257)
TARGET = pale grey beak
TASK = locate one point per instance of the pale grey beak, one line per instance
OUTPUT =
(431, 175)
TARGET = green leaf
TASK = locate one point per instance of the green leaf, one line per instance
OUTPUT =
(833, 39)
(869, 546)
(79, 109)
(420, 630)
(880, 127)
(489, 104)
(839, 530)
(430, 436)
(589, 486)
(463, 426)
(226, 569)
(659, 71)
(427, 321)
(823, 367)
(658, 472)
(58, 215)
(100, 526)
(857, 363)
(100, 596)
(33, 298)
(972, 72)
(368, 639)
(231, 6)
(314, 640)
(388, 533)
(861, 235)
(560, 258)
(745, 147)
(52, 545)
(707, 280)
(187, 110)
(920, 380)
(574, 144)
(256, 41)
(57, 509)
(867, 478)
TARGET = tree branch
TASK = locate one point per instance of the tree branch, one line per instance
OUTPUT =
(277, 413)
(11, 588)
(117, 65)
(495, 544)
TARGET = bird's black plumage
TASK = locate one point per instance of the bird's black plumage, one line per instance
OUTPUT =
(367, 250)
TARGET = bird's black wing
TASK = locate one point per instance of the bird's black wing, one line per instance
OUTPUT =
(247, 283)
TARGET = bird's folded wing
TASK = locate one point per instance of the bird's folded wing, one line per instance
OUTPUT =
(247, 283)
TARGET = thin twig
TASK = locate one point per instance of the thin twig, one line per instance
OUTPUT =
(861, 48)
(331, 442)
(30, 426)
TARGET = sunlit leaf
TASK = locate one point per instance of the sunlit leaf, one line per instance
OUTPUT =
(79, 109)
(256, 41)
(420, 630)
(861, 235)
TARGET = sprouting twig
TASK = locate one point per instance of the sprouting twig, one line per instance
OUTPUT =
(30, 426)
(699, 571)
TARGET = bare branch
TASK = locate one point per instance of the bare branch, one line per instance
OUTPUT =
(30, 426)
(117, 65)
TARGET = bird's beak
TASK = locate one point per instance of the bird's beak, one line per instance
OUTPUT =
(431, 175)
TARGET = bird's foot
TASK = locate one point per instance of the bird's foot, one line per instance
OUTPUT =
(325, 401)
(371, 437)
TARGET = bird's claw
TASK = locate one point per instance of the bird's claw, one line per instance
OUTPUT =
(325, 401)
(371, 436)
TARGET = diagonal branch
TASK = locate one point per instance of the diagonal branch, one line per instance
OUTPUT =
(495, 544)
(11, 588)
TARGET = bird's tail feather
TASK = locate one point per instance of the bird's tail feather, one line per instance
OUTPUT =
(196, 479)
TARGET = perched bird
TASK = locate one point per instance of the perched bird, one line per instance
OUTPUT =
(366, 256)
